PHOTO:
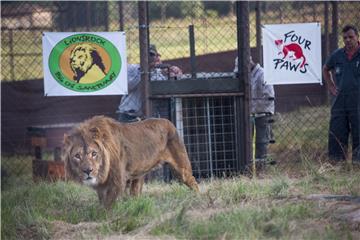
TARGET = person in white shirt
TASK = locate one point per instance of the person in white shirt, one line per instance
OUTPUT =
(262, 107)
(131, 105)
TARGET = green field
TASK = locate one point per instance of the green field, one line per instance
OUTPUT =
(273, 206)
(301, 133)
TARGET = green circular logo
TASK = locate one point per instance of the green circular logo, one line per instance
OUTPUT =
(85, 62)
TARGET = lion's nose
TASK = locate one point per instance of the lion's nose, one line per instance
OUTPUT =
(87, 171)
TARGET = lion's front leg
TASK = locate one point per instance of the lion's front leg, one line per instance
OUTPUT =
(101, 195)
(111, 197)
(107, 196)
(136, 186)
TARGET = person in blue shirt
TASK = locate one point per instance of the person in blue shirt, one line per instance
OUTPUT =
(342, 74)
(131, 105)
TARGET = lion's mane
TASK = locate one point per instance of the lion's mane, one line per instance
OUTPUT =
(92, 58)
(125, 153)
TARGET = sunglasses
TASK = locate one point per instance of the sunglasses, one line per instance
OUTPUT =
(151, 54)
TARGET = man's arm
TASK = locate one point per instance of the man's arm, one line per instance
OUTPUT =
(329, 79)
(134, 77)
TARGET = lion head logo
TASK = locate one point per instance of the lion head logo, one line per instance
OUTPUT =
(86, 64)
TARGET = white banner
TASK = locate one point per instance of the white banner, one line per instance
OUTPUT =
(85, 63)
(292, 53)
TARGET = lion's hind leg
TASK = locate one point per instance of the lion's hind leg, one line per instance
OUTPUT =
(180, 163)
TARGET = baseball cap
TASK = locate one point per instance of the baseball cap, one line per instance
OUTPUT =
(152, 50)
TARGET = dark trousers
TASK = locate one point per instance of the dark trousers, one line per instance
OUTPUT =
(263, 135)
(344, 121)
(126, 118)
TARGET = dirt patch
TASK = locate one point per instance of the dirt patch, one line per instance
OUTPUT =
(344, 208)
(90, 230)
(137, 237)
(63, 230)
(346, 212)
(204, 214)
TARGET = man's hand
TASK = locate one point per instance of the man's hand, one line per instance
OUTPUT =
(175, 71)
(328, 78)
(332, 89)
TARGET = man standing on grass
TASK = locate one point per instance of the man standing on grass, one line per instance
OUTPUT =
(345, 62)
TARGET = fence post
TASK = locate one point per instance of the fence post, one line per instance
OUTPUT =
(192, 51)
(11, 54)
(144, 55)
(38, 152)
(106, 13)
(258, 33)
(326, 45)
(88, 16)
(121, 15)
(242, 15)
(326, 30)
(335, 26)
(57, 154)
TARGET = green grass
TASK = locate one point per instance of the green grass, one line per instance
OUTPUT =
(270, 207)
(134, 213)
(242, 223)
(301, 133)
(33, 208)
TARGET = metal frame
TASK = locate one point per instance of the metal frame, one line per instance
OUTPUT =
(190, 87)
(205, 158)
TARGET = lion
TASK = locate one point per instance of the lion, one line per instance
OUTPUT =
(107, 155)
(86, 64)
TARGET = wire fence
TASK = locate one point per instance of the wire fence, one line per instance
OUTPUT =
(200, 38)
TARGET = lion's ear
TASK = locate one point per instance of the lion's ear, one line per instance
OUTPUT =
(95, 132)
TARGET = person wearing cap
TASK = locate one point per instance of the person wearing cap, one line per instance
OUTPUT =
(163, 69)
(262, 107)
(130, 108)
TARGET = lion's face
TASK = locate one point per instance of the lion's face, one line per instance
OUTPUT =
(85, 161)
(80, 58)
(107, 155)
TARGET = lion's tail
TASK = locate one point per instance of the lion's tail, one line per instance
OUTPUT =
(173, 134)
(177, 146)
(181, 164)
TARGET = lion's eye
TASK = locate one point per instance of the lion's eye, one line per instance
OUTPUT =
(77, 156)
(94, 154)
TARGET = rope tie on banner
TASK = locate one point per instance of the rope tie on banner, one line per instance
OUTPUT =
(153, 27)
